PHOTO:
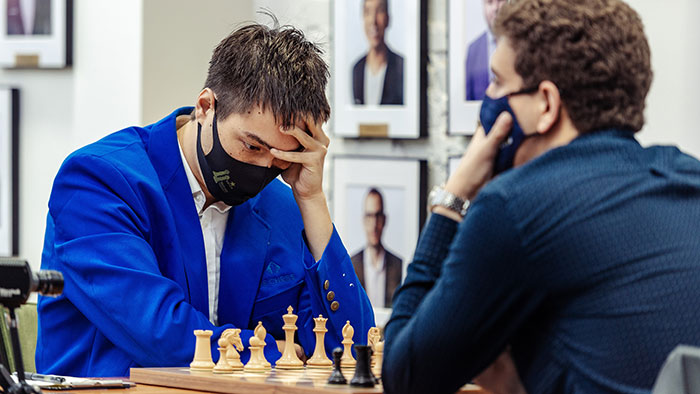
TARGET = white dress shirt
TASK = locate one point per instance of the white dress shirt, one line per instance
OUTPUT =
(213, 223)
(375, 278)
(374, 85)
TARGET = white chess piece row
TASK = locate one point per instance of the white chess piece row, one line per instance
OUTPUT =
(230, 344)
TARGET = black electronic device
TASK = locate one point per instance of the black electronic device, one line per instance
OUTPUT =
(17, 282)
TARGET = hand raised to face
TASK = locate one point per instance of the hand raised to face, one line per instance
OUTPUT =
(305, 175)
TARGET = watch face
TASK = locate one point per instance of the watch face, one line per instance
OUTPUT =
(443, 198)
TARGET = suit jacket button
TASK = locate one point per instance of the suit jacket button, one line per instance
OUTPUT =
(334, 306)
(326, 285)
(330, 296)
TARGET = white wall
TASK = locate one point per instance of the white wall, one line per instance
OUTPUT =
(673, 104)
(63, 109)
(105, 90)
(114, 83)
(178, 39)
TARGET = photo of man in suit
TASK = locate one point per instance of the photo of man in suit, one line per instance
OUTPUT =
(28, 17)
(377, 78)
(479, 53)
(378, 270)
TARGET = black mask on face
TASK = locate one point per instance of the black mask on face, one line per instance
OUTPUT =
(227, 179)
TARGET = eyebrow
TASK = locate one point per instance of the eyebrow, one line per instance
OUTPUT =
(265, 144)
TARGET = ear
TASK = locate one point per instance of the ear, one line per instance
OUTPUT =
(551, 106)
(204, 105)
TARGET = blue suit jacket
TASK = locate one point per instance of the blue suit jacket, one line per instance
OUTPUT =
(124, 231)
(477, 68)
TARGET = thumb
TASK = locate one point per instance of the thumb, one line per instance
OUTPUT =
(501, 128)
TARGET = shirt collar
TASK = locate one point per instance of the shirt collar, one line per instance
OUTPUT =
(197, 193)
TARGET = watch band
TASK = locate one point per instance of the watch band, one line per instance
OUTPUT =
(440, 197)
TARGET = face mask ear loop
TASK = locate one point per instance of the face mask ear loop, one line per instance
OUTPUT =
(215, 135)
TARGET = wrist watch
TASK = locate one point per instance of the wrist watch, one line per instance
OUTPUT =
(440, 197)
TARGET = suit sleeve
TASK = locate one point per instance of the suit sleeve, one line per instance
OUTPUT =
(465, 294)
(351, 300)
(112, 276)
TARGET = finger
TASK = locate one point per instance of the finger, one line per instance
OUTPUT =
(297, 157)
(317, 131)
(501, 128)
(304, 139)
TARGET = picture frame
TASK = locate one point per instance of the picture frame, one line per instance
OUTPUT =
(391, 103)
(9, 173)
(36, 34)
(468, 75)
(401, 185)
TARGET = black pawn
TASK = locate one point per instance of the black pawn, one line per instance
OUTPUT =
(363, 372)
(337, 375)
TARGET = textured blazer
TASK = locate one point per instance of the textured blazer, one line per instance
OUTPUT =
(124, 231)
(392, 93)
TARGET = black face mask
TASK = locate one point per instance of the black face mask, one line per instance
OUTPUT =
(227, 179)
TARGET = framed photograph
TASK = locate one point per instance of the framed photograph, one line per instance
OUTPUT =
(379, 68)
(36, 33)
(471, 44)
(9, 175)
(379, 206)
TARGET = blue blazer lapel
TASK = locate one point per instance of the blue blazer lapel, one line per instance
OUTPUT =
(242, 260)
(164, 151)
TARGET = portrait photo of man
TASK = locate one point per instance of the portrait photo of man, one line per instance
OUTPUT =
(478, 73)
(378, 270)
(377, 77)
(28, 17)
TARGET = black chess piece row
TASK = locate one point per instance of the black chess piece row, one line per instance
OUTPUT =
(363, 369)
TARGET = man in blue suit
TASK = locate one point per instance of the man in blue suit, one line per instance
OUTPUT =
(479, 53)
(182, 224)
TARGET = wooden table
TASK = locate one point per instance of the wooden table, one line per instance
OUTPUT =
(174, 380)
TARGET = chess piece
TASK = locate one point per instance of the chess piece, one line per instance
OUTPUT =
(233, 336)
(348, 332)
(222, 366)
(363, 375)
(202, 351)
(289, 359)
(378, 357)
(257, 362)
(319, 360)
(373, 336)
(337, 375)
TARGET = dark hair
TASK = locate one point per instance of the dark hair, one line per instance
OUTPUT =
(375, 191)
(276, 68)
(595, 51)
(386, 5)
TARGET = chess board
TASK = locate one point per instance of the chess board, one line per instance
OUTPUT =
(274, 381)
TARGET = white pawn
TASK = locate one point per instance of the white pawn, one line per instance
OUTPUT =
(289, 359)
(319, 360)
(347, 361)
(202, 351)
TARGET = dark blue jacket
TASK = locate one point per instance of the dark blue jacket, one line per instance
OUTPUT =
(586, 261)
(124, 231)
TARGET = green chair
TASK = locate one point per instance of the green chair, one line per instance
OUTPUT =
(27, 324)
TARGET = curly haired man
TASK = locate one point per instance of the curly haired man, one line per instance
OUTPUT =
(576, 268)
